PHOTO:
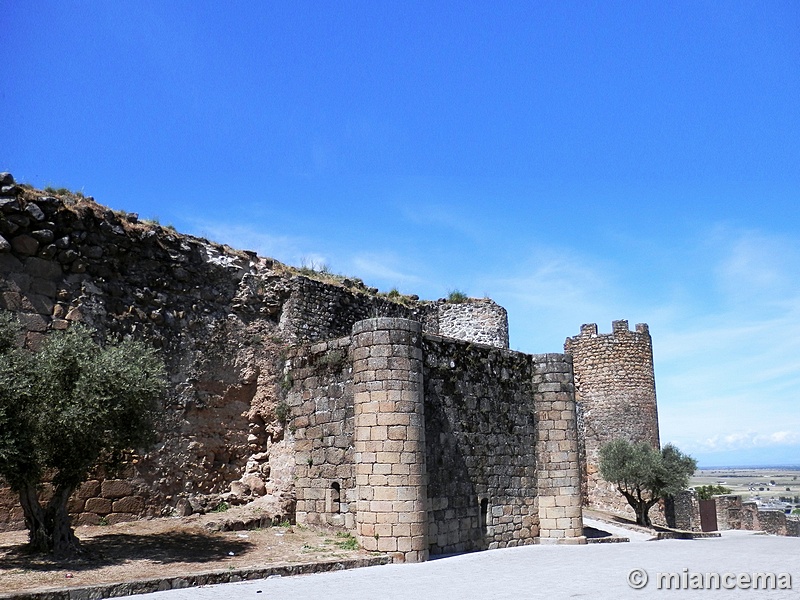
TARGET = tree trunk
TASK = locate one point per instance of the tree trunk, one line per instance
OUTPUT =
(39, 539)
(65, 543)
(642, 513)
(49, 528)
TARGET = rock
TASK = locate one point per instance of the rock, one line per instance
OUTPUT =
(44, 236)
(6, 178)
(34, 211)
(255, 484)
(4, 245)
(25, 245)
(9, 205)
(183, 508)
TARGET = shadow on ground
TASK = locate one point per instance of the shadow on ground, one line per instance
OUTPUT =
(112, 549)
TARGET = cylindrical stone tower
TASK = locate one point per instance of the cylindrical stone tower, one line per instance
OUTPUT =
(478, 320)
(391, 480)
(615, 392)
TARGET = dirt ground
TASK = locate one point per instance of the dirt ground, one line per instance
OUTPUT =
(157, 548)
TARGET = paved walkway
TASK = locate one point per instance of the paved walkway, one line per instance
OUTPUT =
(552, 572)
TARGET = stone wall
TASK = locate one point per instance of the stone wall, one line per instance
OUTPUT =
(454, 446)
(319, 407)
(68, 260)
(732, 513)
(223, 319)
(476, 320)
(480, 429)
(616, 398)
(681, 511)
(729, 512)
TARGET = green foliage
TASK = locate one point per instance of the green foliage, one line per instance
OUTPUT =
(70, 405)
(704, 492)
(644, 474)
(457, 297)
(221, 507)
(62, 191)
(346, 541)
(282, 412)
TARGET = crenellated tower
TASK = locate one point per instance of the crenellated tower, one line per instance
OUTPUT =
(615, 393)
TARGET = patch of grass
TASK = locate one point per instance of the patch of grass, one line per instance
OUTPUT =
(103, 521)
(457, 297)
(346, 541)
(221, 507)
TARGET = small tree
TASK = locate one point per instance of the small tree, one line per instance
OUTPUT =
(644, 474)
(705, 492)
(65, 408)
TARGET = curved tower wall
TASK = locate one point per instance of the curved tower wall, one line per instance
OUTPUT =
(476, 320)
(616, 398)
(391, 478)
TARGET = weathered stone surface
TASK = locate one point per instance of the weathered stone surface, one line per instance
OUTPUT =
(5, 246)
(35, 212)
(100, 506)
(616, 398)
(24, 245)
(115, 488)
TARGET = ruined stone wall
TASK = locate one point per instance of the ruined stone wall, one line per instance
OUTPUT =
(616, 398)
(480, 428)
(681, 511)
(729, 512)
(749, 516)
(212, 311)
(315, 310)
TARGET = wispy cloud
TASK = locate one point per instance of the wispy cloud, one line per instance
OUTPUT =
(293, 250)
(385, 267)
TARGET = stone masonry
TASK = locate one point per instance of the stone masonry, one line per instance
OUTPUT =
(391, 480)
(616, 398)
(407, 422)
(455, 446)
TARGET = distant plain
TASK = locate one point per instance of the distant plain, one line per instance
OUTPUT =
(765, 483)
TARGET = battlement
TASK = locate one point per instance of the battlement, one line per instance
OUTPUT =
(617, 327)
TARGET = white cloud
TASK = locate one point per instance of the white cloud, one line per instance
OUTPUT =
(749, 439)
(293, 250)
(384, 267)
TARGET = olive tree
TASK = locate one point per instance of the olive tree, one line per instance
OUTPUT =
(644, 474)
(63, 409)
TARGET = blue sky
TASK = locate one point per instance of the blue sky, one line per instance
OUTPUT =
(578, 162)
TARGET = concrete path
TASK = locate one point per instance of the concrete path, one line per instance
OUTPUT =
(552, 572)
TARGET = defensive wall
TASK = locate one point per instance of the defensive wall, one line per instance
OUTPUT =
(281, 389)
(223, 319)
(423, 444)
